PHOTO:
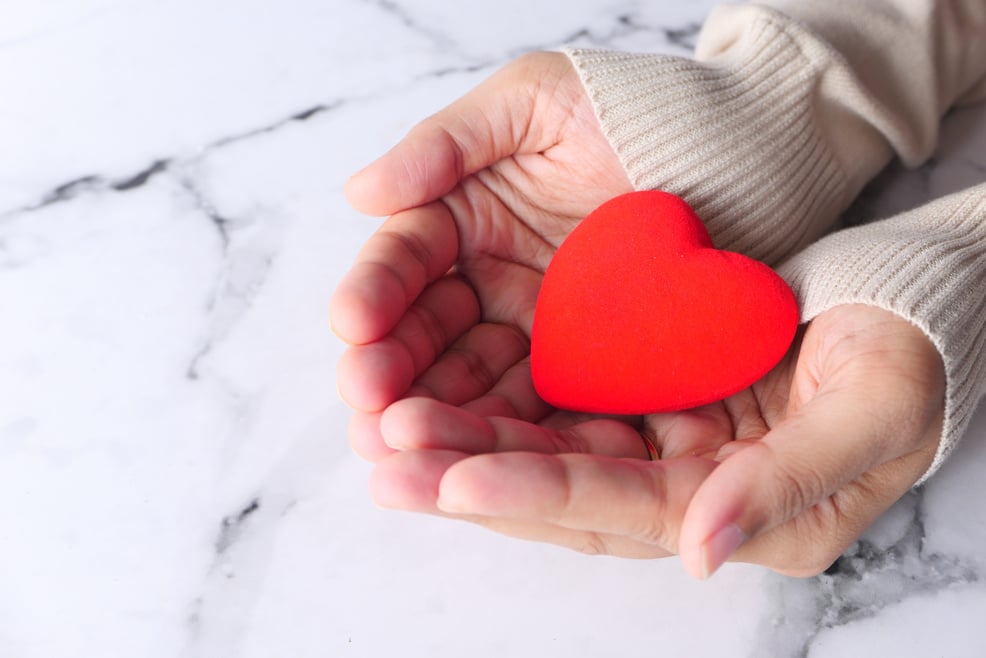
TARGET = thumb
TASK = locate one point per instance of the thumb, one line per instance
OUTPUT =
(799, 465)
(491, 122)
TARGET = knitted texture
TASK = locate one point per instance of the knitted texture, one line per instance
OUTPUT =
(638, 313)
(927, 265)
(915, 58)
(737, 139)
(784, 115)
(779, 122)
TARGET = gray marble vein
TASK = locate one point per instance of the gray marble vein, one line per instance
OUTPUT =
(175, 477)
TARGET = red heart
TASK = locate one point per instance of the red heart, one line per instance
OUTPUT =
(639, 313)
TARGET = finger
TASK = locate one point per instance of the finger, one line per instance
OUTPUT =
(584, 541)
(513, 396)
(489, 123)
(445, 312)
(692, 433)
(365, 437)
(423, 423)
(410, 250)
(643, 501)
(474, 363)
(409, 481)
(808, 544)
(374, 375)
(802, 463)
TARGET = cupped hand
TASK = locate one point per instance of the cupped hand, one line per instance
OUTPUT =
(441, 299)
(438, 308)
(787, 473)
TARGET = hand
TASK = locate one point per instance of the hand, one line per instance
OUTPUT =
(794, 468)
(441, 299)
(438, 308)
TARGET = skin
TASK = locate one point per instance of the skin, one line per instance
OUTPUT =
(437, 312)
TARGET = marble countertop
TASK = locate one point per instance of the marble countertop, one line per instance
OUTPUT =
(175, 479)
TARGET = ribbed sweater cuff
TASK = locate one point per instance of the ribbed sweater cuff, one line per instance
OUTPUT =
(737, 137)
(928, 266)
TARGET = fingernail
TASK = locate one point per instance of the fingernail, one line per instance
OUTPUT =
(717, 548)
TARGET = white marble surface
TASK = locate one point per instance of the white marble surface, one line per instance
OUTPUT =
(175, 479)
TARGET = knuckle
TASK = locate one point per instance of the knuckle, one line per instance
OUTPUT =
(655, 533)
(429, 328)
(655, 526)
(820, 537)
(474, 367)
(413, 245)
(800, 490)
(797, 486)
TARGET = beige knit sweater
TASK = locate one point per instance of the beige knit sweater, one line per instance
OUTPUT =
(787, 110)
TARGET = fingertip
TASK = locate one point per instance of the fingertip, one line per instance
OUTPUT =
(459, 491)
(718, 521)
(395, 484)
(400, 425)
(365, 438)
(375, 375)
(410, 480)
(421, 423)
(418, 169)
(363, 193)
(495, 485)
(367, 304)
(343, 320)
(351, 191)
(716, 550)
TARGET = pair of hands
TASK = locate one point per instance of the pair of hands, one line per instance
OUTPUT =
(437, 311)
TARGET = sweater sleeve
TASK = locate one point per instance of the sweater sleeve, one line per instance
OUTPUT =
(788, 109)
(927, 265)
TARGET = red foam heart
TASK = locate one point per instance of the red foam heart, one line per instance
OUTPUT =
(639, 313)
